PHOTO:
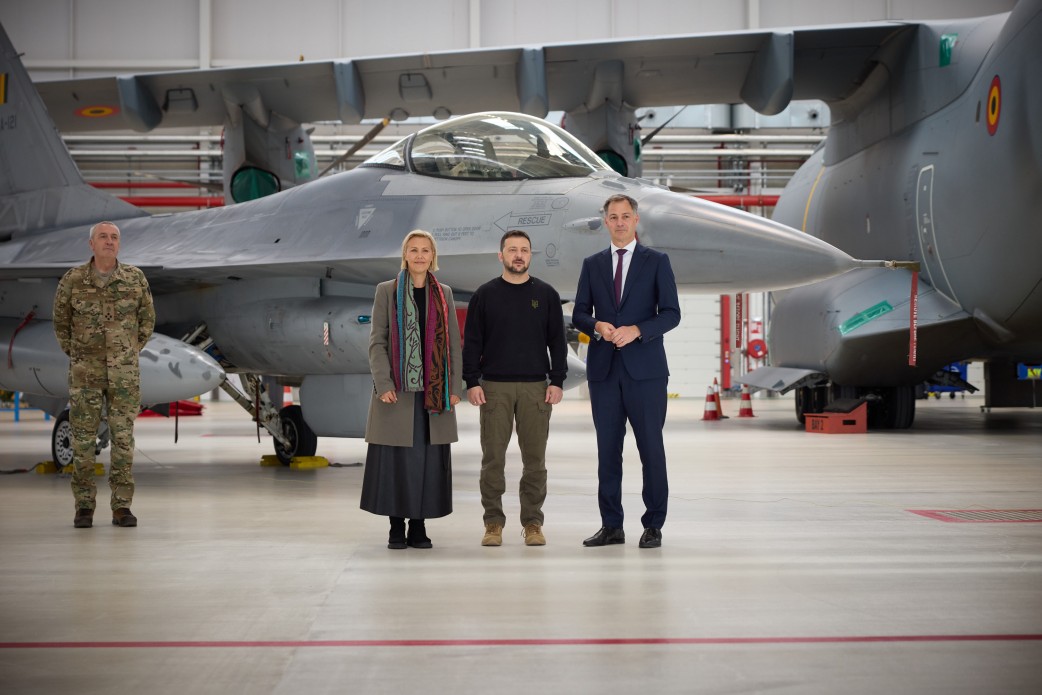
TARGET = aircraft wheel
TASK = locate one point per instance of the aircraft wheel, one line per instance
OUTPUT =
(801, 408)
(302, 441)
(61, 441)
(810, 400)
(895, 409)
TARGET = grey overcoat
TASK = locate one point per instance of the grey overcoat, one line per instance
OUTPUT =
(391, 423)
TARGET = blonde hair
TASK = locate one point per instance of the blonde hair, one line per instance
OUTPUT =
(426, 235)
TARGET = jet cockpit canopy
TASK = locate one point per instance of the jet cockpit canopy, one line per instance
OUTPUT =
(497, 146)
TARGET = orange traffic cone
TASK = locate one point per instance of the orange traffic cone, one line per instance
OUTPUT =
(711, 411)
(716, 395)
(746, 409)
(287, 396)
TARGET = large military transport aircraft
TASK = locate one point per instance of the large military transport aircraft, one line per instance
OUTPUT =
(937, 158)
(283, 285)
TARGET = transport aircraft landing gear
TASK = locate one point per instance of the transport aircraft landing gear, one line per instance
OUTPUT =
(891, 408)
(812, 400)
(894, 409)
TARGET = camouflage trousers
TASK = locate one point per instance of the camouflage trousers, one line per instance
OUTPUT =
(85, 412)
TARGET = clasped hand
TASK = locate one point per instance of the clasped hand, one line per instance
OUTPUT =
(620, 337)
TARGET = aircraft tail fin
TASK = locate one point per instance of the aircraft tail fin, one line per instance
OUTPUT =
(40, 186)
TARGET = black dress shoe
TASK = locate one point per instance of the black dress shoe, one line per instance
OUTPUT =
(651, 538)
(606, 536)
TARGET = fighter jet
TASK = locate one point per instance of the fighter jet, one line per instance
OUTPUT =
(283, 285)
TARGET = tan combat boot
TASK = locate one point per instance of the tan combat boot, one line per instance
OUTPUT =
(493, 535)
(533, 534)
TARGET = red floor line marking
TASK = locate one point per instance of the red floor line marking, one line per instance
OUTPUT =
(950, 516)
(579, 642)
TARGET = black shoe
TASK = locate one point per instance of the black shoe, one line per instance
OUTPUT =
(606, 536)
(84, 518)
(123, 517)
(396, 539)
(651, 538)
(417, 537)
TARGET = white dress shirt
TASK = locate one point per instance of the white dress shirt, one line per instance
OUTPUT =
(627, 258)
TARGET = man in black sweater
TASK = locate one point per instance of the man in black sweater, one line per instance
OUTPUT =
(515, 360)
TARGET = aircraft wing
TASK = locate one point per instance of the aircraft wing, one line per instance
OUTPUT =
(764, 69)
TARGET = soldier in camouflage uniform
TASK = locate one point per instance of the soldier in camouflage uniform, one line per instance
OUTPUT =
(103, 316)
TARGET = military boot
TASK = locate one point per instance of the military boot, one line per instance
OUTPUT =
(84, 518)
(123, 517)
(493, 535)
(533, 534)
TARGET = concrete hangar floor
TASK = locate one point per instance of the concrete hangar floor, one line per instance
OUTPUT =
(791, 563)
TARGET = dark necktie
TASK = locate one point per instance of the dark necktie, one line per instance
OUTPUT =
(618, 277)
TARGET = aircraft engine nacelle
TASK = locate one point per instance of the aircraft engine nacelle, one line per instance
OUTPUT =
(170, 369)
(325, 335)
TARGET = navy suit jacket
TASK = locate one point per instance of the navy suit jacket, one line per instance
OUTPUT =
(649, 302)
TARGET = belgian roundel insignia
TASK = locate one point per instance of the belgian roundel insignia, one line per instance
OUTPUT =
(97, 111)
(994, 105)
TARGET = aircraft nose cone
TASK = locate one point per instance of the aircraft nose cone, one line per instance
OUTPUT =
(714, 248)
(172, 370)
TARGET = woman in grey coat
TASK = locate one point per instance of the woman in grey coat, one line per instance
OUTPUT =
(414, 355)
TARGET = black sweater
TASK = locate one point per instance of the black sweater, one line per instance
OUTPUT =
(509, 331)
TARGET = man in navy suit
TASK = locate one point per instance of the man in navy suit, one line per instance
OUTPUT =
(627, 299)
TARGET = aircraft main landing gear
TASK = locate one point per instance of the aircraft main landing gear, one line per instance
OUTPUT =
(289, 432)
(890, 408)
(61, 440)
(300, 440)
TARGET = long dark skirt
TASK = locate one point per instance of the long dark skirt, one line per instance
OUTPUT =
(413, 482)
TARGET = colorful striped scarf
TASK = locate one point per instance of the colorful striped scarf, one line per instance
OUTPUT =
(421, 366)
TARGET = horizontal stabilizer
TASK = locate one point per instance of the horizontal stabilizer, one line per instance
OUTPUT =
(782, 379)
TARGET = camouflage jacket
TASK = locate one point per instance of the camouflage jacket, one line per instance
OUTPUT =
(103, 326)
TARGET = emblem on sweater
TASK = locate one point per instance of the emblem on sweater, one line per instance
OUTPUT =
(535, 303)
